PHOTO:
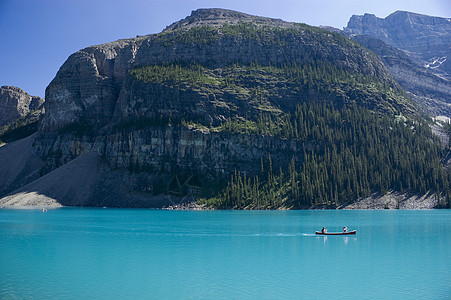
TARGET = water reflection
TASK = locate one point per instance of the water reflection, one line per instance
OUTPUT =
(346, 239)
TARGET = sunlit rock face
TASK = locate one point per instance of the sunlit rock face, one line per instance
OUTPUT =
(426, 39)
(431, 91)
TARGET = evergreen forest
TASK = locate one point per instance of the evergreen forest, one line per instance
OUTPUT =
(357, 153)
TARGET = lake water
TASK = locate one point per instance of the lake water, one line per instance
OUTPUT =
(72, 253)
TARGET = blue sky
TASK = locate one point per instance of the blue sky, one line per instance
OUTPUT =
(37, 36)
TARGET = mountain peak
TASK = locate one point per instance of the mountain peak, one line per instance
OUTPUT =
(422, 37)
(219, 17)
(401, 16)
(397, 18)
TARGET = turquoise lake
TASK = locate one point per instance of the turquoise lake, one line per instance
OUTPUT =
(73, 253)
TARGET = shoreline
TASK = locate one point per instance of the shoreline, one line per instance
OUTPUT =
(197, 207)
(391, 200)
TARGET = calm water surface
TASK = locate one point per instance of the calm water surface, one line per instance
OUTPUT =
(74, 253)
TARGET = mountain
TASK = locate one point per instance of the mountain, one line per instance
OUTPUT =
(429, 90)
(96, 81)
(19, 113)
(426, 39)
(415, 49)
(241, 111)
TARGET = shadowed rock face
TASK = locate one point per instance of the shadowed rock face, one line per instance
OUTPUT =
(19, 165)
(15, 103)
(427, 39)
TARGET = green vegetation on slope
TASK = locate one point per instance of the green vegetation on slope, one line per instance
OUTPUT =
(266, 88)
(18, 129)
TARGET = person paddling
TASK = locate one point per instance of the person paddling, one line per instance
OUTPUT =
(345, 229)
(323, 230)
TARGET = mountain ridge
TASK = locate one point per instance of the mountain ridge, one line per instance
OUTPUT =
(421, 36)
(430, 91)
(217, 17)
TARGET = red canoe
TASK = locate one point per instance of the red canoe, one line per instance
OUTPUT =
(336, 233)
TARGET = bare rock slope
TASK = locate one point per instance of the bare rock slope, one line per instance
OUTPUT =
(19, 165)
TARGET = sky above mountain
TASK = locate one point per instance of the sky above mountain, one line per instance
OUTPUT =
(37, 36)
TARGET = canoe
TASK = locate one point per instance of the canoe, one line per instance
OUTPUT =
(337, 233)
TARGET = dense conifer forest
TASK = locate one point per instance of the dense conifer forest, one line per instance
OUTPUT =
(18, 129)
(268, 87)
(357, 152)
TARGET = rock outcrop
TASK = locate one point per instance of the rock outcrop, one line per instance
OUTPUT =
(87, 85)
(15, 103)
(393, 200)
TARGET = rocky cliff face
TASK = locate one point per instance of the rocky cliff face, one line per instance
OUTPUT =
(15, 103)
(87, 86)
(427, 39)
